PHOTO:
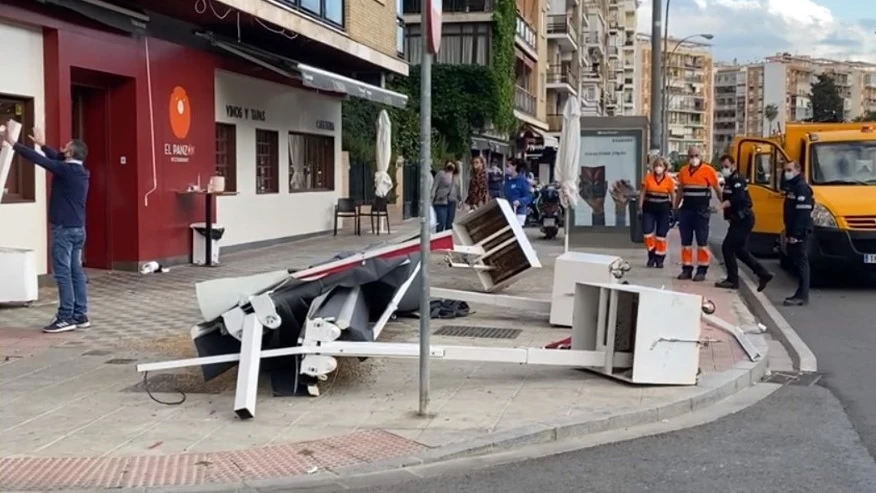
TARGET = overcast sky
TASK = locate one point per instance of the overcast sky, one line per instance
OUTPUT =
(748, 30)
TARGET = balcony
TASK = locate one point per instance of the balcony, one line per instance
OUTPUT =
(614, 53)
(450, 6)
(559, 28)
(596, 46)
(562, 78)
(524, 35)
(524, 101)
(591, 75)
(555, 123)
(870, 81)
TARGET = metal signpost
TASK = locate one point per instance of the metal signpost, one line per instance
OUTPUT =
(431, 43)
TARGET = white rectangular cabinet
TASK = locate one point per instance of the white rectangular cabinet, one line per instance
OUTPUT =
(660, 328)
(18, 276)
(571, 268)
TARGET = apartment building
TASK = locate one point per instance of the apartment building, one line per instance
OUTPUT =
(622, 21)
(785, 82)
(168, 96)
(688, 92)
(466, 38)
(730, 105)
(566, 28)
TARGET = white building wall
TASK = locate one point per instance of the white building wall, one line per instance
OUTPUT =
(775, 91)
(249, 217)
(23, 225)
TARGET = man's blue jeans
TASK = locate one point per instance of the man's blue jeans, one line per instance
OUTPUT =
(67, 246)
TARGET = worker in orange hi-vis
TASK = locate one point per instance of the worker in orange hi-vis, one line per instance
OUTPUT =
(696, 182)
(656, 199)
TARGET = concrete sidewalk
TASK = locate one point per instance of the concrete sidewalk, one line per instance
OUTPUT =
(75, 415)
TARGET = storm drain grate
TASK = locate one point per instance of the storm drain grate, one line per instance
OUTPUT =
(97, 352)
(120, 361)
(806, 379)
(478, 332)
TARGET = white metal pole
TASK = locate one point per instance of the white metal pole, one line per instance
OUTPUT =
(425, 212)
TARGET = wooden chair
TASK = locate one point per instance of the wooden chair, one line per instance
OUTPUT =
(378, 211)
(348, 208)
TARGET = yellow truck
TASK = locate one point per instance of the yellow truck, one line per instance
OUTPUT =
(839, 163)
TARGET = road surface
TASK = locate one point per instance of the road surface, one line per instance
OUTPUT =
(798, 440)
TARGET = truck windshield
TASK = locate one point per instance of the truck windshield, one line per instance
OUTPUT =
(844, 163)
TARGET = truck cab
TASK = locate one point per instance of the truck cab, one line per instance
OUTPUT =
(839, 163)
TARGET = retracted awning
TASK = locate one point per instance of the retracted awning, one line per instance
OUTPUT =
(328, 81)
(114, 16)
(311, 76)
(548, 139)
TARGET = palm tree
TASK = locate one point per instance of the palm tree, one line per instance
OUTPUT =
(771, 112)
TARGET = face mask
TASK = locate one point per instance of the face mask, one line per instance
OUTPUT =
(790, 175)
(694, 161)
(659, 170)
(726, 172)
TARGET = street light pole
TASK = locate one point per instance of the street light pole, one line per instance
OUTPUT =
(656, 76)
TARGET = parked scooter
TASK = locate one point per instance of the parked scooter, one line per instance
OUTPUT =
(551, 214)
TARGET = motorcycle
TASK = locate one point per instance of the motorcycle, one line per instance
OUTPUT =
(551, 214)
(532, 214)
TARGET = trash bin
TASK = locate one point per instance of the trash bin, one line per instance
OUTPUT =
(636, 234)
(199, 242)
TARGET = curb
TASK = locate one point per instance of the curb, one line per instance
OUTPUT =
(763, 310)
(711, 388)
(803, 358)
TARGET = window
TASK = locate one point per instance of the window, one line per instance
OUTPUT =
(331, 11)
(267, 161)
(399, 29)
(311, 162)
(20, 182)
(461, 44)
(226, 154)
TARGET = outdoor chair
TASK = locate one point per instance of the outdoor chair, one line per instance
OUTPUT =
(378, 211)
(348, 208)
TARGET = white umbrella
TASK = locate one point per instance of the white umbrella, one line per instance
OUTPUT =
(382, 180)
(566, 167)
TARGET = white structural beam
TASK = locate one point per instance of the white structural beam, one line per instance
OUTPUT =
(248, 369)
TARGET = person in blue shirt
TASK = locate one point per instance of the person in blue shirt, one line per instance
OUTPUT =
(67, 221)
(518, 190)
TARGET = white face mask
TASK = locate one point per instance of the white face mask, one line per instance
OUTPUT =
(789, 175)
(694, 161)
(726, 172)
(659, 170)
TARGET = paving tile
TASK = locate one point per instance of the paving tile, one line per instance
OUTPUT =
(58, 404)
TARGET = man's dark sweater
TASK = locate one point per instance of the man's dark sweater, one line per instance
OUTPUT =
(69, 185)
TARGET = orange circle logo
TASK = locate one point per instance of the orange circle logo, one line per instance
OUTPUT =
(180, 113)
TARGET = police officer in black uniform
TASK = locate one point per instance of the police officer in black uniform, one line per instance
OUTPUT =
(798, 227)
(736, 203)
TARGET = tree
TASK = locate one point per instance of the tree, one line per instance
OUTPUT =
(770, 112)
(827, 104)
(870, 116)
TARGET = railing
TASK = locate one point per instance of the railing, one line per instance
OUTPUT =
(524, 101)
(613, 52)
(562, 74)
(525, 32)
(561, 24)
(555, 123)
(450, 6)
(593, 39)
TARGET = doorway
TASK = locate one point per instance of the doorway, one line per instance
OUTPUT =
(90, 106)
